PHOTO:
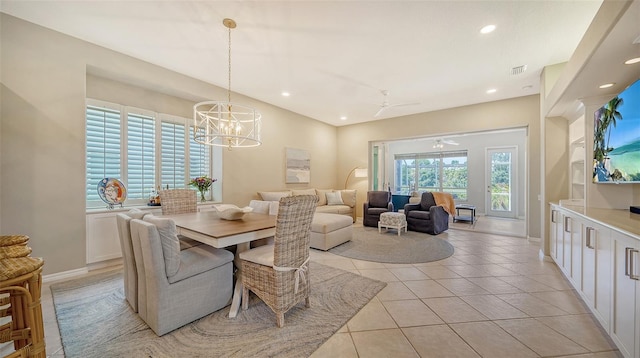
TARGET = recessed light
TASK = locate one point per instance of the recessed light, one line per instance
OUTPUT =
(487, 29)
(286, 94)
(490, 91)
(607, 85)
(343, 118)
(632, 61)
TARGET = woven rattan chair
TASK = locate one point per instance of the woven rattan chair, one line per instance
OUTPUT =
(11, 240)
(279, 274)
(178, 201)
(21, 278)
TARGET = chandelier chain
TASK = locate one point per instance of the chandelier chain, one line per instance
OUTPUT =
(229, 87)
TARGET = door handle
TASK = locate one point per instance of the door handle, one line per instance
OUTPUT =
(588, 243)
(566, 223)
(553, 216)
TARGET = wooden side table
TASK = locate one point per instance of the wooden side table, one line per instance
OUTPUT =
(471, 218)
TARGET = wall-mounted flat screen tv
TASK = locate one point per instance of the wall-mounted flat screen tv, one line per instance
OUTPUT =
(616, 138)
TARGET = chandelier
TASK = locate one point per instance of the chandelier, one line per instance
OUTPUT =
(223, 123)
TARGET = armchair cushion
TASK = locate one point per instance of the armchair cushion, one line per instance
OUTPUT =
(427, 202)
(378, 199)
(169, 241)
(262, 255)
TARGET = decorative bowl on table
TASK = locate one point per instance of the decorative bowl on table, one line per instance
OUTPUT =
(231, 212)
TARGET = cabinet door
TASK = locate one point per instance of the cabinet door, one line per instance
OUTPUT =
(575, 231)
(103, 242)
(596, 270)
(567, 222)
(553, 234)
(560, 239)
(624, 329)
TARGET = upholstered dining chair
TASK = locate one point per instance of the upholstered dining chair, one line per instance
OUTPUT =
(279, 274)
(180, 286)
(378, 202)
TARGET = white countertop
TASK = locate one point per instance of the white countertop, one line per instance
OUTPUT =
(616, 219)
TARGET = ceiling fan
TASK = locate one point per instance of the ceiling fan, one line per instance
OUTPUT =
(439, 143)
(385, 104)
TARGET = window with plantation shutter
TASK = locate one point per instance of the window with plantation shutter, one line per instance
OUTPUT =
(144, 150)
(141, 155)
(103, 148)
(172, 152)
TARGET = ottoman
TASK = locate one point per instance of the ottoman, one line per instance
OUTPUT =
(393, 220)
(330, 230)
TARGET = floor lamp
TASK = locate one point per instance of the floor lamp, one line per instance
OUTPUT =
(359, 173)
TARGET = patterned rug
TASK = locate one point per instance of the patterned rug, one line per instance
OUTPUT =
(408, 248)
(96, 321)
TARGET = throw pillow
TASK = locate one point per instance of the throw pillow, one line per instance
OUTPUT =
(259, 206)
(348, 197)
(169, 241)
(273, 195)
(322, 196)
(334, 198)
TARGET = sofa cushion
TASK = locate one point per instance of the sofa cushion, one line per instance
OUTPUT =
(303, 192)
(274, 195)
(348, 197)
(325, 223)
(169, 241)
(322, 196)
(334, 198)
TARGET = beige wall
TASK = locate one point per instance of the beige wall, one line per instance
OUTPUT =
(42, 140)
(353, 140)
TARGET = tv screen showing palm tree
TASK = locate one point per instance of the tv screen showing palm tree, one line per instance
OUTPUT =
(616, 138)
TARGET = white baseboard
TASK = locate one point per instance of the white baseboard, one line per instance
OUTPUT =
(534, 239)
(65, 275)
(58, 276)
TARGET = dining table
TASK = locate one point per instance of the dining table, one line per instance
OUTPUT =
(208, 228)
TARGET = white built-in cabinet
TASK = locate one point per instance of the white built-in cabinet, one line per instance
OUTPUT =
(602, 261)
(103, 242)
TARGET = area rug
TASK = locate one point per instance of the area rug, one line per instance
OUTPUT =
(95, 321)
(409, 248)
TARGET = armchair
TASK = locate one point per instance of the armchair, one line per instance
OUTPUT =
(426, 216)
(378, 202)
(177, 286)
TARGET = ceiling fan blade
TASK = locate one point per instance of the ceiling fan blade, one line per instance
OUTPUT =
(447, 141)
(404, 104)
(380, 111)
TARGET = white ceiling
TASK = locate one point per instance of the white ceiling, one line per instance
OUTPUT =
(335, 57)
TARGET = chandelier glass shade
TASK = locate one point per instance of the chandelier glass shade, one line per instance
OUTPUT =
(227, 124)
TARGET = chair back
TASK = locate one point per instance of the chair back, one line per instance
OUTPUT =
(178, 201)
(293, 230)
(378, 199)
(427, 201)
(128, 260)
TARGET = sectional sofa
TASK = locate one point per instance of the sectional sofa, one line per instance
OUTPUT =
(330, 201)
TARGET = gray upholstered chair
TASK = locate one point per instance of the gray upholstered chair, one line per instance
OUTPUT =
(180, 286)
(426, 216)
(128, 259)
(378, 202)
(279, 274)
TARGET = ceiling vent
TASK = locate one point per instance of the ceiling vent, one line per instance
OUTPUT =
(518, 70)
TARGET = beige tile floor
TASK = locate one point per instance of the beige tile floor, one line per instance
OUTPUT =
(492, 298)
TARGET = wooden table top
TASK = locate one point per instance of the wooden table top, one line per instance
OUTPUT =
(208, 223)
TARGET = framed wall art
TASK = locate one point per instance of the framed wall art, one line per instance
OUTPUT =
(298, 166)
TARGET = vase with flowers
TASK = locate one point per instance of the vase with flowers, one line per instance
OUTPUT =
(203, 184)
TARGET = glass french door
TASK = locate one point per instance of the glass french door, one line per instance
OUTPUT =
(501, 169)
